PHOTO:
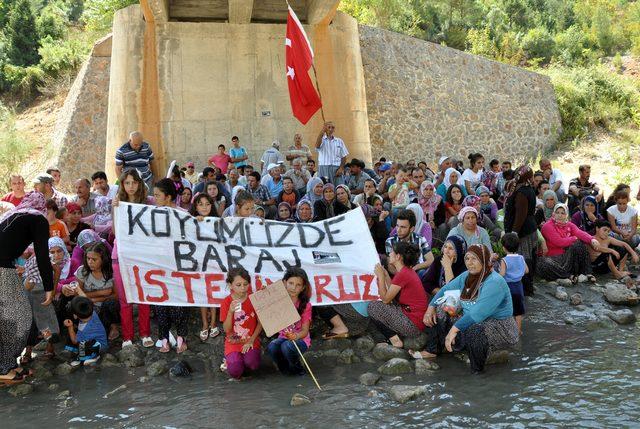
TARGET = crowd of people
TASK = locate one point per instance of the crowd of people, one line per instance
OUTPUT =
(458, 248)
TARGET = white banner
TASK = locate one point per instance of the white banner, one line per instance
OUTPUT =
(167, 257)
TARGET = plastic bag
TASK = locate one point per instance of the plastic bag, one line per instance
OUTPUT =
(450, 302)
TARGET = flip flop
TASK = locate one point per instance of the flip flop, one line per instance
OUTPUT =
(416, 355)
(204, 335)
(333, 336)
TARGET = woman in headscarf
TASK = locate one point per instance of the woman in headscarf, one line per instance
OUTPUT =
(102, 221)
(485, 321)
(446, 266)
(483, 220)
(586, 217)
(285, 213)
(378, 228)
(325, 208)
(519, 210)
(432, 204)
(543, 214)
(422, 227)
(314, 190)
(451, 177)
(343, 200)
(20, 227)
(568, 256)
(469, 230)
(304, 214)
(85, 239)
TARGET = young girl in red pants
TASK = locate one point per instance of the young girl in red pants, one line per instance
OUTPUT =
(241, 325)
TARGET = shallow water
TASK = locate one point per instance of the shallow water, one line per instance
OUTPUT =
(562, 375)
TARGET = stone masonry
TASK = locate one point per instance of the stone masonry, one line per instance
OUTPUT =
(425, 100)
(81, 129)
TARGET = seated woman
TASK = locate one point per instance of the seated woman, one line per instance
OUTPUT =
(451, 177)
(611, 255)
(611, 200)
(343, 202)
(543, 214)
(423, 227)
(488, 206)
(324, 208)
(587, 216)
(486, 322)
(304, 214)
(403, 299)
(567, 255)
(484, 221)
(432, 205)
(469, 230)
(446, 266)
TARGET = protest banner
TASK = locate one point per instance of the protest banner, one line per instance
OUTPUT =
(168, 257)
(274, 308)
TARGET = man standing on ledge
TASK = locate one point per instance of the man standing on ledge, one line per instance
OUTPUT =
(136, 153)
(332, 154)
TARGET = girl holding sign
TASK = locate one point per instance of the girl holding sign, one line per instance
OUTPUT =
(240, 321)
(282, 350)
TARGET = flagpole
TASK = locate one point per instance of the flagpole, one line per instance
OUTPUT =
(315, 75)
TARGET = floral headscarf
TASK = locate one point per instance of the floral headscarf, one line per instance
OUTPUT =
(66, 260)
(288, 207)
(429, 206)
(32, 203)
(103, 211)
(473, 282)
(307, 203)
(88, 236)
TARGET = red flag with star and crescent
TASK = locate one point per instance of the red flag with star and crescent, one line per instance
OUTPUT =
(305, 101)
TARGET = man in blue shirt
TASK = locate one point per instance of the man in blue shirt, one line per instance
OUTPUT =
(238, 153)
(136, 153)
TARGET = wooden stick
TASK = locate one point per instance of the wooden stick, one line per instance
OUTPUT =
(319, 94)
(307, 365)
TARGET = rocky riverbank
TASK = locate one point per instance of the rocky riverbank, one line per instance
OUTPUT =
(383, 369)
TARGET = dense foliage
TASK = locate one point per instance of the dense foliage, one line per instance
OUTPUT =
(45, 40)
(564, 39)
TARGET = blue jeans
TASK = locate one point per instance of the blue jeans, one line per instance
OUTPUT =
(285, 355)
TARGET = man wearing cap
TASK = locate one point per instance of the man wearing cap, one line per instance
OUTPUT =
(273, 180)
(444, 163)
(136, 153)
(357, 177)
(298, 150)
(332, 154)
(271, 156)
(386, 179)
(43, 183)
(190, 174)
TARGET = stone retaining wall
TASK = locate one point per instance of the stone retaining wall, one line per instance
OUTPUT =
(425, 100)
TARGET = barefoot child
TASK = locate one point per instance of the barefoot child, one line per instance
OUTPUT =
(612, 254)
(241, 325)
(204, 206)
(91, 338)
(513, 267)
(282, 351)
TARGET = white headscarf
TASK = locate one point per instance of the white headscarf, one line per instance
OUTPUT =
(447, 177)
(417, 210)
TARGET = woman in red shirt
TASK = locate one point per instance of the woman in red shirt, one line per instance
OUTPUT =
(403, 299)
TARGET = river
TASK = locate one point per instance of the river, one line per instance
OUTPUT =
(561, 375)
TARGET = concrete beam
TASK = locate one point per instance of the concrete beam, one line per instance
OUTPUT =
(321, 11)
(240, 11)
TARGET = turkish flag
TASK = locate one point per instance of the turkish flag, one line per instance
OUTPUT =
(299, 59)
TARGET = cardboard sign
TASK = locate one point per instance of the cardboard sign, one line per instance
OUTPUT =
(274, 308)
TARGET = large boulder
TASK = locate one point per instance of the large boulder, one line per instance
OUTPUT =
(620, 295)
(364, 345)
(157, 368)
(384, 351)
(132, 356)
(395, 366)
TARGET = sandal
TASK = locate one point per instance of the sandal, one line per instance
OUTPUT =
(419, 355)
(182, 345)
(591, 278)
(165, 347)
(573, 279)
(214, 332)
(333, 336)
(204, 334)
(16, 379)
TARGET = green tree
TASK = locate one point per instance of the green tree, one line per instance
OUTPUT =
(52, 22)
(5, 9)
(538, 44)
(22, 38)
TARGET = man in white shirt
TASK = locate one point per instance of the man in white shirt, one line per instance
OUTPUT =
(101, 185)
(271, 156)
(332, 154)
(554, 177)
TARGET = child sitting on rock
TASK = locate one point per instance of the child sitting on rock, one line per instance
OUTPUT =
(624, 219)
(513, 267)
(91, 338)
(611, 254)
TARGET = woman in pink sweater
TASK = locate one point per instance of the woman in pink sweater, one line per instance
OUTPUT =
(568, 255)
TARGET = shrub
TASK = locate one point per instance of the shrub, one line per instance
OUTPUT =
(52, 22)
(98, 14)
(22, 39)
(59, 57)
(538, 43)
